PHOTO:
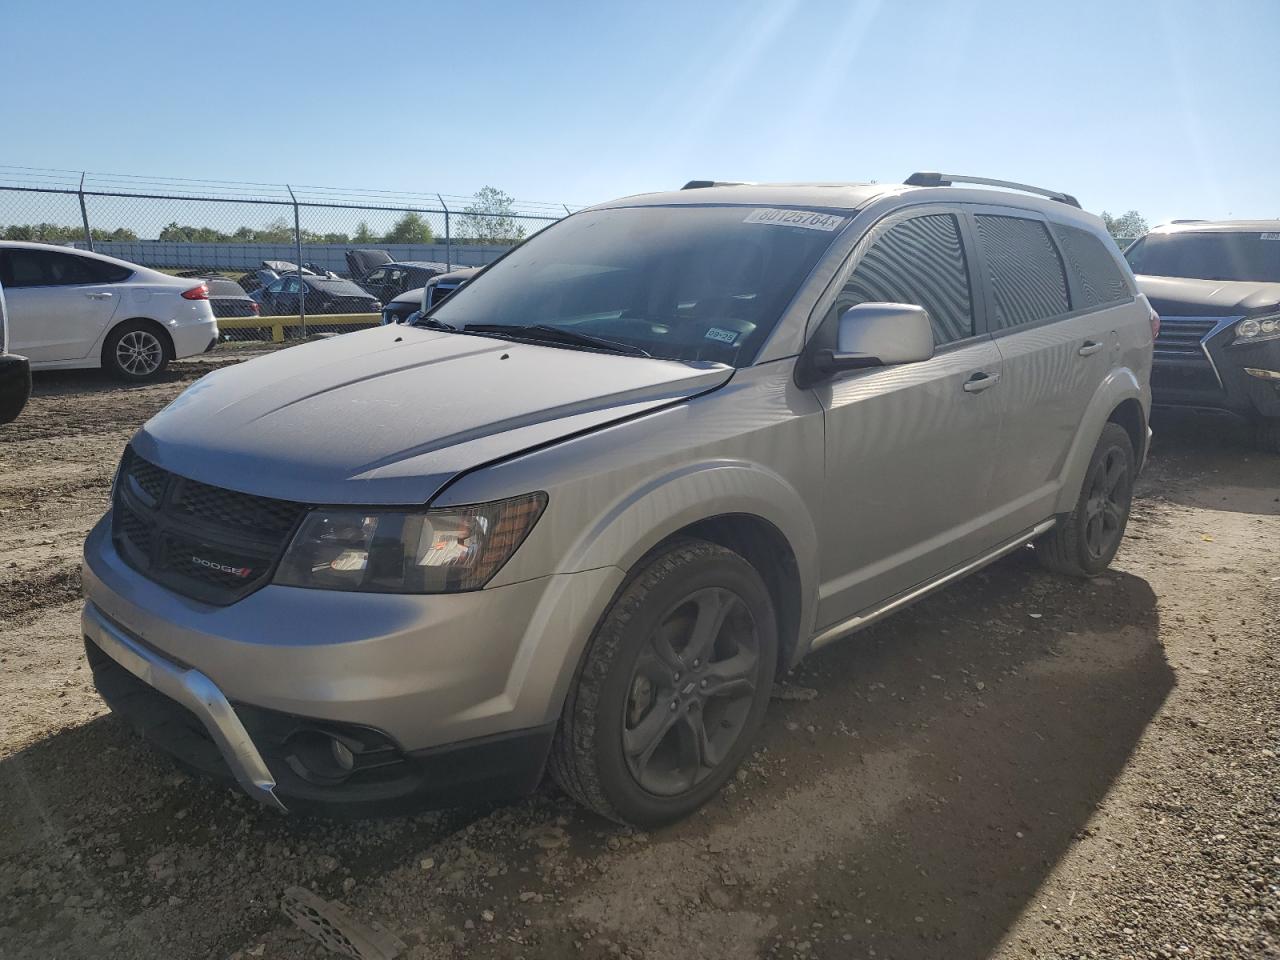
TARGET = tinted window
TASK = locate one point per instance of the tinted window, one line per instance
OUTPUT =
(1208, 256)
(336, 288)
(918, 261)
(49, 268)
(1100, 278)
(683, 282)
(1026, 273)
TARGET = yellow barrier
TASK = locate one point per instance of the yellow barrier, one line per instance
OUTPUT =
(277, 324)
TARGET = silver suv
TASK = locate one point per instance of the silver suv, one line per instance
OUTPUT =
(582, 513)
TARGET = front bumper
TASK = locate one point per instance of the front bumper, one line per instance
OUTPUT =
(419, 676)
(1215, 377)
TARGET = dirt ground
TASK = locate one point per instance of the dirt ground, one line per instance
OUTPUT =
(1020, 766)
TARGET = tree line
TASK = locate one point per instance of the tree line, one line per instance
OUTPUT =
(489, 219)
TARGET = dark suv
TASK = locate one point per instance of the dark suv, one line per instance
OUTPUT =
(1216, 286)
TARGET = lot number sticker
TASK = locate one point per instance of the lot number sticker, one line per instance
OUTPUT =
(1270, 236)
(809, 219)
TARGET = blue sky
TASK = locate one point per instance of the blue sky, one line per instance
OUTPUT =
(1172, 108)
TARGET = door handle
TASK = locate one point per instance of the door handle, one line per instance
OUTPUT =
(1089, 348)
(981, 381)
(98, 296)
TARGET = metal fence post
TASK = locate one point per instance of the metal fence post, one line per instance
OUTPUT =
(84, 215)
(297, 242)
(448, 243)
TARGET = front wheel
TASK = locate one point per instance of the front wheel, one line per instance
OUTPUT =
(1085, 543)
(136, 351)
(673, 689)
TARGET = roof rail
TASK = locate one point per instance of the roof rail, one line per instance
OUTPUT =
(927, 179)
(699, 184)
(1189, 221)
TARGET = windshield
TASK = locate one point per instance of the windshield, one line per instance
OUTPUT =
(681, 283)
(1208, 256)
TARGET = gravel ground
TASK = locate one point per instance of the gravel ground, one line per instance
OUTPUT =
(1019, 766)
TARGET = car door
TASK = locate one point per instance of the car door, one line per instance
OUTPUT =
(59, 303)
(910, 449)
(1055, 351)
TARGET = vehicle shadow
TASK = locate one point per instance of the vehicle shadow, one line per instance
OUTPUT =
(916, 804)
(1193, 454)
(963, 747)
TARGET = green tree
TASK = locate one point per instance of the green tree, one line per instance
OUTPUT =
(364, 234)
(410, 228)
(490, 219)
(1128, 226)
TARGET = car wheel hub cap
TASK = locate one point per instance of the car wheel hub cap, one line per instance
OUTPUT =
(691, 692)
(139, 352)
(1106, 503)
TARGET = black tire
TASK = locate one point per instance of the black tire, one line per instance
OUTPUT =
(1085, 543)
(622, 668)
(1266, 434)
(136, 351)
(15, 386)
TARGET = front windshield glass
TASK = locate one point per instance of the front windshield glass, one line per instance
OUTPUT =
(1208, 255)
(681, 282)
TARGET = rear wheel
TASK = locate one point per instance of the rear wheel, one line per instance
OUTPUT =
(673, 689)
(1086, 542)
(136, 350)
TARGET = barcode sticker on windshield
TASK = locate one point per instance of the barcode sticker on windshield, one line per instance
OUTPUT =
(809, 219)
(1269, 236)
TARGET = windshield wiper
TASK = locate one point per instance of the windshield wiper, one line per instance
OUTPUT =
(548, 334)
(431, 323)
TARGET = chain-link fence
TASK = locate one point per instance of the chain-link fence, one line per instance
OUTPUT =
(283, 261)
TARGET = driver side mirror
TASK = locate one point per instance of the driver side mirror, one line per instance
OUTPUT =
(877, 335)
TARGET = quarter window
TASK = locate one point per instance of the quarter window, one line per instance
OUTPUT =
(1027, 277)
(919, 261)
(1101, 280)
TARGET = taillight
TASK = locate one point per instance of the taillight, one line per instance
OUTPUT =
(197, 293)
(257, 310)
(1155, 323)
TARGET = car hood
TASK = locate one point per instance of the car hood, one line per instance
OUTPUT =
(389, 415)
(1181, 297)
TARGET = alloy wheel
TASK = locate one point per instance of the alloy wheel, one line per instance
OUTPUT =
(139, 353)
(1107, 503)
(691, 691)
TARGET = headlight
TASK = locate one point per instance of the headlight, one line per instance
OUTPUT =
(1257, 329)
(425, 551)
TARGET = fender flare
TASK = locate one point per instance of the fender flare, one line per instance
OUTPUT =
(1120, 384)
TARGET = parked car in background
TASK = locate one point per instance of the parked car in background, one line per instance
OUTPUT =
(444, 285)
(270, 271)
(580, 514)
(1216, 286)
(362, 262)
(402, 309)
(15, 373)
(229, 299)
(392, 279)
(412, 303)
(72, 309)
(323, 295)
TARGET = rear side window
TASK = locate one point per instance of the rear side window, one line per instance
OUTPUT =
(1097, 272)
(50, 268)
(1027, 278)
(918, 261)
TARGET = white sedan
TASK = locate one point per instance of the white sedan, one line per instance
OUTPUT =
(71, 309)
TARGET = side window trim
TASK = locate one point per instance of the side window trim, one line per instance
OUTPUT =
(868, 239)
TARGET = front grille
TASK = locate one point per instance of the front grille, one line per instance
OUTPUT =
(205, 542)
(1180, 337)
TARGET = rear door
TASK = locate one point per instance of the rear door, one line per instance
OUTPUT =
(1055, 348)
(59, 303)
(910, 448)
